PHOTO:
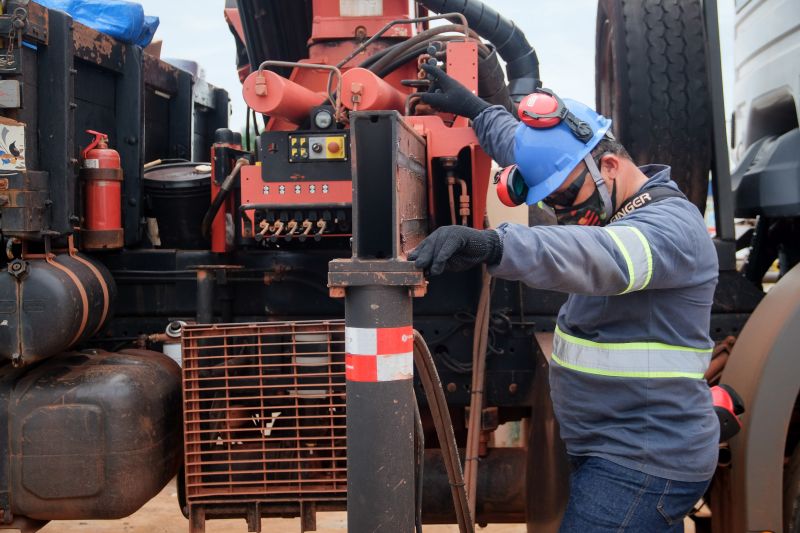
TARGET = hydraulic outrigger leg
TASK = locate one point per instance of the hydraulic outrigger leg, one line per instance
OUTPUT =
(389, 205)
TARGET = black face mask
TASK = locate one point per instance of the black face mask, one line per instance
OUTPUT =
(590, 212)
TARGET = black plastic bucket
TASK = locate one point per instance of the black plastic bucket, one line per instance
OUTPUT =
(178, 195)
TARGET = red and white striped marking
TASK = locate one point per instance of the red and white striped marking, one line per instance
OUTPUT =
(379, 354)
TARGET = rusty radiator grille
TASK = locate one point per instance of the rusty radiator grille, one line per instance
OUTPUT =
(264, 412)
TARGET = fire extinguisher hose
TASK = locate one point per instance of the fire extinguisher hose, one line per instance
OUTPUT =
(221, 196)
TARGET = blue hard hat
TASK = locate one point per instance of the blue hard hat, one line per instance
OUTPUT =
(548, 145)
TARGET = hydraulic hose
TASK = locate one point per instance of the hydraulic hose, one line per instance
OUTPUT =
(419, 462)
(479, 345)
(522, 64)
(422, 37)
(492, 81)
(437, 403)
(224, 190)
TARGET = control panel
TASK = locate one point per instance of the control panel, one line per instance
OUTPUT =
(306, 147)
(300, 189)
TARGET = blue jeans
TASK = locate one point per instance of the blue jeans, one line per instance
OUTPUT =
(606, 497)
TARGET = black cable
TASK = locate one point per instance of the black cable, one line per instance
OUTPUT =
(453, 365)
(255, 123)
(377, 55)
(219, 199)
(403, 47)
(414, 52)
(522, 64)
(247, 131)
(444, 336)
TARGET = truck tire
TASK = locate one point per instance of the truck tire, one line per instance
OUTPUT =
(651, 80)
(791, 494)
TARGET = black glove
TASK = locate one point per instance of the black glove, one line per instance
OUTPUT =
(448, 95)
(457, 248)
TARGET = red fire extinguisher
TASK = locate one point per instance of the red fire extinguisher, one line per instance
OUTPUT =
(102, 194)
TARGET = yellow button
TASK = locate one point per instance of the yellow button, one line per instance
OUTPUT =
(294, 141)
(334, 147)
(294, 152)
(303, 141)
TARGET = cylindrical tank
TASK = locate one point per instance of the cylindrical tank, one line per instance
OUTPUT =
(50, 305)
(178, 195)
(101, 174)
(271, 94)
(89, 435)
(363, 90)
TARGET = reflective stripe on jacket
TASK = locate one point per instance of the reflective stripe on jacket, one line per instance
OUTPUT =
(629, 359)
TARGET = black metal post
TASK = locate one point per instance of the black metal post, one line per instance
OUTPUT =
(380, 423)
(389, 215)
(208, 279)
(721, 172)
(56, 88)
(205, 296)
(129, 138)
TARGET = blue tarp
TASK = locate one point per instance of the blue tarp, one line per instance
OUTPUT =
(125, 21)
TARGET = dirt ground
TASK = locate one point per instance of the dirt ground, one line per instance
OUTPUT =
(162, 515)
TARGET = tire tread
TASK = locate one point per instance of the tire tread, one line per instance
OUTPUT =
(666, 114)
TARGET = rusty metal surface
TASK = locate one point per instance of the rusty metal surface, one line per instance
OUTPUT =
(37, 21)
(411, 200)
(98, 48)
(344, 273)
(763, 368)
(390, 204)
(24, 198)
(159, 74)
(264, 414)
(99, 239)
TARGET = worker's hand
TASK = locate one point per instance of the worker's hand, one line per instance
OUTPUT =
(457, 248)
(448, 95)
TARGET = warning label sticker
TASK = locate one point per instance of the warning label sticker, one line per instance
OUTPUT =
(361, 8)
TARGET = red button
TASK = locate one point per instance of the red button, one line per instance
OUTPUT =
(333, 147)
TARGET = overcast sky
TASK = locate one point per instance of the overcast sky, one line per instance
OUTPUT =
(561, 31)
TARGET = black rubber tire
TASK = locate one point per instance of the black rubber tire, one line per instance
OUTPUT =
(791, 494)
(651, 80)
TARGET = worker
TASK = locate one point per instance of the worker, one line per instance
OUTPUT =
(632, 340)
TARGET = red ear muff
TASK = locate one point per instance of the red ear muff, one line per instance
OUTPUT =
(541, 110)
(510, 186)
(544, 109)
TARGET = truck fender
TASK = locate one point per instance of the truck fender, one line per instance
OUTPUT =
(763, 368)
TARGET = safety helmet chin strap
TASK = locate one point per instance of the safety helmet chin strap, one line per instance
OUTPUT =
(608, 203)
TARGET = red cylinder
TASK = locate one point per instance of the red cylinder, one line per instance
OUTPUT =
(102, 195)
(363, 90)
(271, 94)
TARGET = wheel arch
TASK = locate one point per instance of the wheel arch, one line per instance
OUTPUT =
(763, 368)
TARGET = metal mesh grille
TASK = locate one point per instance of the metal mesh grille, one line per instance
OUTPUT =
(264, 412)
